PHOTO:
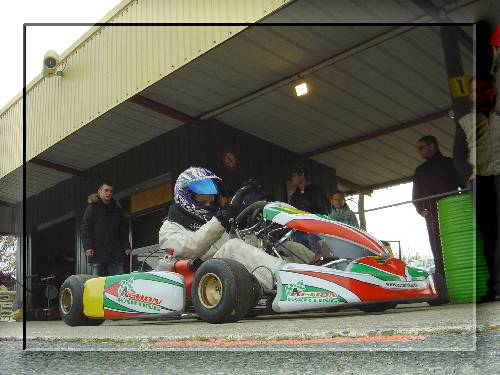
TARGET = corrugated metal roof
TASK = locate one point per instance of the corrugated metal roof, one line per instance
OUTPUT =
(117, 131)
(373, 82)
(38, 179)
(401, 80)
(107, 65)
(348, 11)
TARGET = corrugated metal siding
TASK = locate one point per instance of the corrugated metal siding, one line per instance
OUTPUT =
(110, 67)
(11, 141)
(171, 153)
(11, 188)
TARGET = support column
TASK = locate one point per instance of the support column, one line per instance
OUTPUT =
(459, 90)
(361, 211)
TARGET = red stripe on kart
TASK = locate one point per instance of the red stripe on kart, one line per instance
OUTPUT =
(118, 314)
(324, 227)
(370, 292)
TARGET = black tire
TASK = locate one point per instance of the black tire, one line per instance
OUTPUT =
(377, 307)
(223, 291)
(71, 302)
(255, 297)
(442, 290)
(256, 293)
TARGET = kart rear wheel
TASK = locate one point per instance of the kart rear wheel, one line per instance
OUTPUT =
(377, 307)
(222, 291)
(71, 302)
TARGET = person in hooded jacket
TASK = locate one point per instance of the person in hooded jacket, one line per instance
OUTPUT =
(196, 226)
(341, 211)
(104, 233)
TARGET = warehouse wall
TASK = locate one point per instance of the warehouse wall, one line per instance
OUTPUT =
(172, 153)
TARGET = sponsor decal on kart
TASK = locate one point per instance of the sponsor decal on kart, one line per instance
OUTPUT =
(299, 292)
(128, 296)
(403, 284)
(143, 293)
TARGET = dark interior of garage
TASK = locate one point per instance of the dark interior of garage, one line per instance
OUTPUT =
(53, 255)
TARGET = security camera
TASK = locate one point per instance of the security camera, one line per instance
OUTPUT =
(50, 61)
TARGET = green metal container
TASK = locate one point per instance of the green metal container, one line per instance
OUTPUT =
(464, 263)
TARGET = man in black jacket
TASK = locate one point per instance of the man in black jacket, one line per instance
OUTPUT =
(308, 197)
(436, 175)
(104, 233)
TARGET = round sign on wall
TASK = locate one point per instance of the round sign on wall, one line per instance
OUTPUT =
(230, 160)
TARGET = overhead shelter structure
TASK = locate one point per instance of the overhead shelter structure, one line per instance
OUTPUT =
(158, 85)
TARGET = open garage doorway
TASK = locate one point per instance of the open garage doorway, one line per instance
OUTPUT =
(53, 260)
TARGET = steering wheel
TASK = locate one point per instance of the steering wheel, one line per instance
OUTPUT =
(250, 215)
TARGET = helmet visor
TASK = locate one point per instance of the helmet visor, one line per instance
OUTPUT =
(206, 186)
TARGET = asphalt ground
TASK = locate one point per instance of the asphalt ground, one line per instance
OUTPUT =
(411, 339)
(405, 323)
(402, 359)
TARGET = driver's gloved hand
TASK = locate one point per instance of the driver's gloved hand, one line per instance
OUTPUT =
(226, 215)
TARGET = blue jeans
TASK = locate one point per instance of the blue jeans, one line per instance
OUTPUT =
(106, 269)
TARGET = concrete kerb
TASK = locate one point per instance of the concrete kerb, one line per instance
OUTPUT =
(416, 320)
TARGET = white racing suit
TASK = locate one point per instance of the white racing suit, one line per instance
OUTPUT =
(212, 241)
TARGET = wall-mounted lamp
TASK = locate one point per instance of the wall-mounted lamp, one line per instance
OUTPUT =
(301, 89)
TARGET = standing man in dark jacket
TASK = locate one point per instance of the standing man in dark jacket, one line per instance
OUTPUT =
(308, 197)
(436, 175)
(104, 233)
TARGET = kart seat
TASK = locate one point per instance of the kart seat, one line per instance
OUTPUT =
(295, 252)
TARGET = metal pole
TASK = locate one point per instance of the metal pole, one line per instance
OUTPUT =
(361, 211)
(458, 84)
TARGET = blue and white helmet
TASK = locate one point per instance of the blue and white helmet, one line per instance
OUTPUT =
(196, 180)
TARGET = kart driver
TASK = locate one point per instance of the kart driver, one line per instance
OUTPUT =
(196, 227)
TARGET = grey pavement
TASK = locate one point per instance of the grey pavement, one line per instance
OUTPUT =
(414, 320)
(442, 340)
(401, 359)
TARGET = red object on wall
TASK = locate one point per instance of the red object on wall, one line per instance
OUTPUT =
(495, 37)
(230, 160)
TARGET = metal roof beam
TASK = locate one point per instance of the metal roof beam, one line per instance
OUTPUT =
(390, 183)
(439, 15)
(7, 204)
(300, 75)
(353, 186)
(377, 133)
(57, 167)
(165, 110)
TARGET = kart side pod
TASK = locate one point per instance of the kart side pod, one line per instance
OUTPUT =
(86, 300)
(138, 294)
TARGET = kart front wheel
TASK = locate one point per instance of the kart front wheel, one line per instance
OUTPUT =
(377, 307)
(71, 302)
(222, 291)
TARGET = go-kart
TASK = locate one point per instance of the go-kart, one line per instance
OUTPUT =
(332, 265)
